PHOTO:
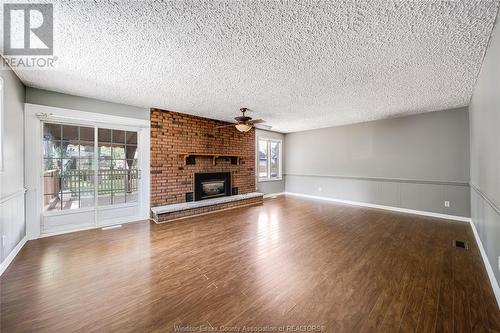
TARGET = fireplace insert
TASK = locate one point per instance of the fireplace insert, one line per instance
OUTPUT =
(211, 185)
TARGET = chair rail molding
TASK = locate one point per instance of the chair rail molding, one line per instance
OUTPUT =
(383, 179)
(486, 198)
(13, 195)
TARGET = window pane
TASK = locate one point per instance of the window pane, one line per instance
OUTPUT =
(49, 149)
(86, 149)
(131, 138)
(131, 152)
(104, 199)
(86, 199)
(135, 181)
(104, 135)
(131, 185)
(118, 177)
(51, 182)
(132, 196)
(104, 150)
(275, 171)
(51, 132)
(69, 165)
(105, 188)
(86, 181)
(104, 165)
(118, 164)
(85, 164)
(263, 159)
(118, 152)
(119, 197)
(51, 202)
(118, 136)
(70, 200)
(70, 133)
(52, 149)
(69, 149)
(51, 164)
(70, 187)
(131, 164)
(105, 179)
(87, 134)
(70, 182)
(111, 181)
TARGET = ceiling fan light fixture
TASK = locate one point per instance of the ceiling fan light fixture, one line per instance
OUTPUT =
(243, 127)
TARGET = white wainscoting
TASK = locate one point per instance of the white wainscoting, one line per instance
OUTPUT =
(410, 194)
(12, 227)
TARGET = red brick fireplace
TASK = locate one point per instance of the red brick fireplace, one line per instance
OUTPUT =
(178, 140)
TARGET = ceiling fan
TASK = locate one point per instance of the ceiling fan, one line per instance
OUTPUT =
(245, 123)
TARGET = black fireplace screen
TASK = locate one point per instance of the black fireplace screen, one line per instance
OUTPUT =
(211, 185)
(212, 188)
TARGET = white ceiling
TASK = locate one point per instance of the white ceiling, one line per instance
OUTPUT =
(298, 65)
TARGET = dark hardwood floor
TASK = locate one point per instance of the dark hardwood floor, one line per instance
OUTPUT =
(290, 261)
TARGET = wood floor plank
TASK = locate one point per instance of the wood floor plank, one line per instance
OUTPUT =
(446, 299)
(429, 315)
(290, 261)
(411, 315)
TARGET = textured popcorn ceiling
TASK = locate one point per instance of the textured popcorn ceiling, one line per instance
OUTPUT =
(298, 65)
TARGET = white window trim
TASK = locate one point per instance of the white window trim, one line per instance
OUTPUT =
(280, 158)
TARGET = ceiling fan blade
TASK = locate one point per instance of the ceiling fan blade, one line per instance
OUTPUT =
(257, 121)
(262, 126)
(222, 126)
(242, 119)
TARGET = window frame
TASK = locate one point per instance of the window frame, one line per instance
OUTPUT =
(268, 141)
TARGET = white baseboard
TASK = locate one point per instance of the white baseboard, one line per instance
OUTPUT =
(489, 269)
(12, 255)
(392, 208)
(272, 195)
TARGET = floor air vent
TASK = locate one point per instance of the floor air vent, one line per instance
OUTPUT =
(461, 244)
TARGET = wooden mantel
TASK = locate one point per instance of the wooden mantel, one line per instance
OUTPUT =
(214, 156)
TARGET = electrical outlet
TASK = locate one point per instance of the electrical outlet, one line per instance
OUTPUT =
(499, 263)
(320, 189)
(4, 240)
(447, 204)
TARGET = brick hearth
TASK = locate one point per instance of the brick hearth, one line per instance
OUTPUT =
(182, 210)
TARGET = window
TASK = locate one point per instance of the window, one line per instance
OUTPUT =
(269, 159)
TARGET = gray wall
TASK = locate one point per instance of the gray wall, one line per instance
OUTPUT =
(415, 162)
(55, 99)
(273, 186)
(12, 222)
(484, 113)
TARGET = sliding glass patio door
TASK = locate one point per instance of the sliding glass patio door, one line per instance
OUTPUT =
(90, 176)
